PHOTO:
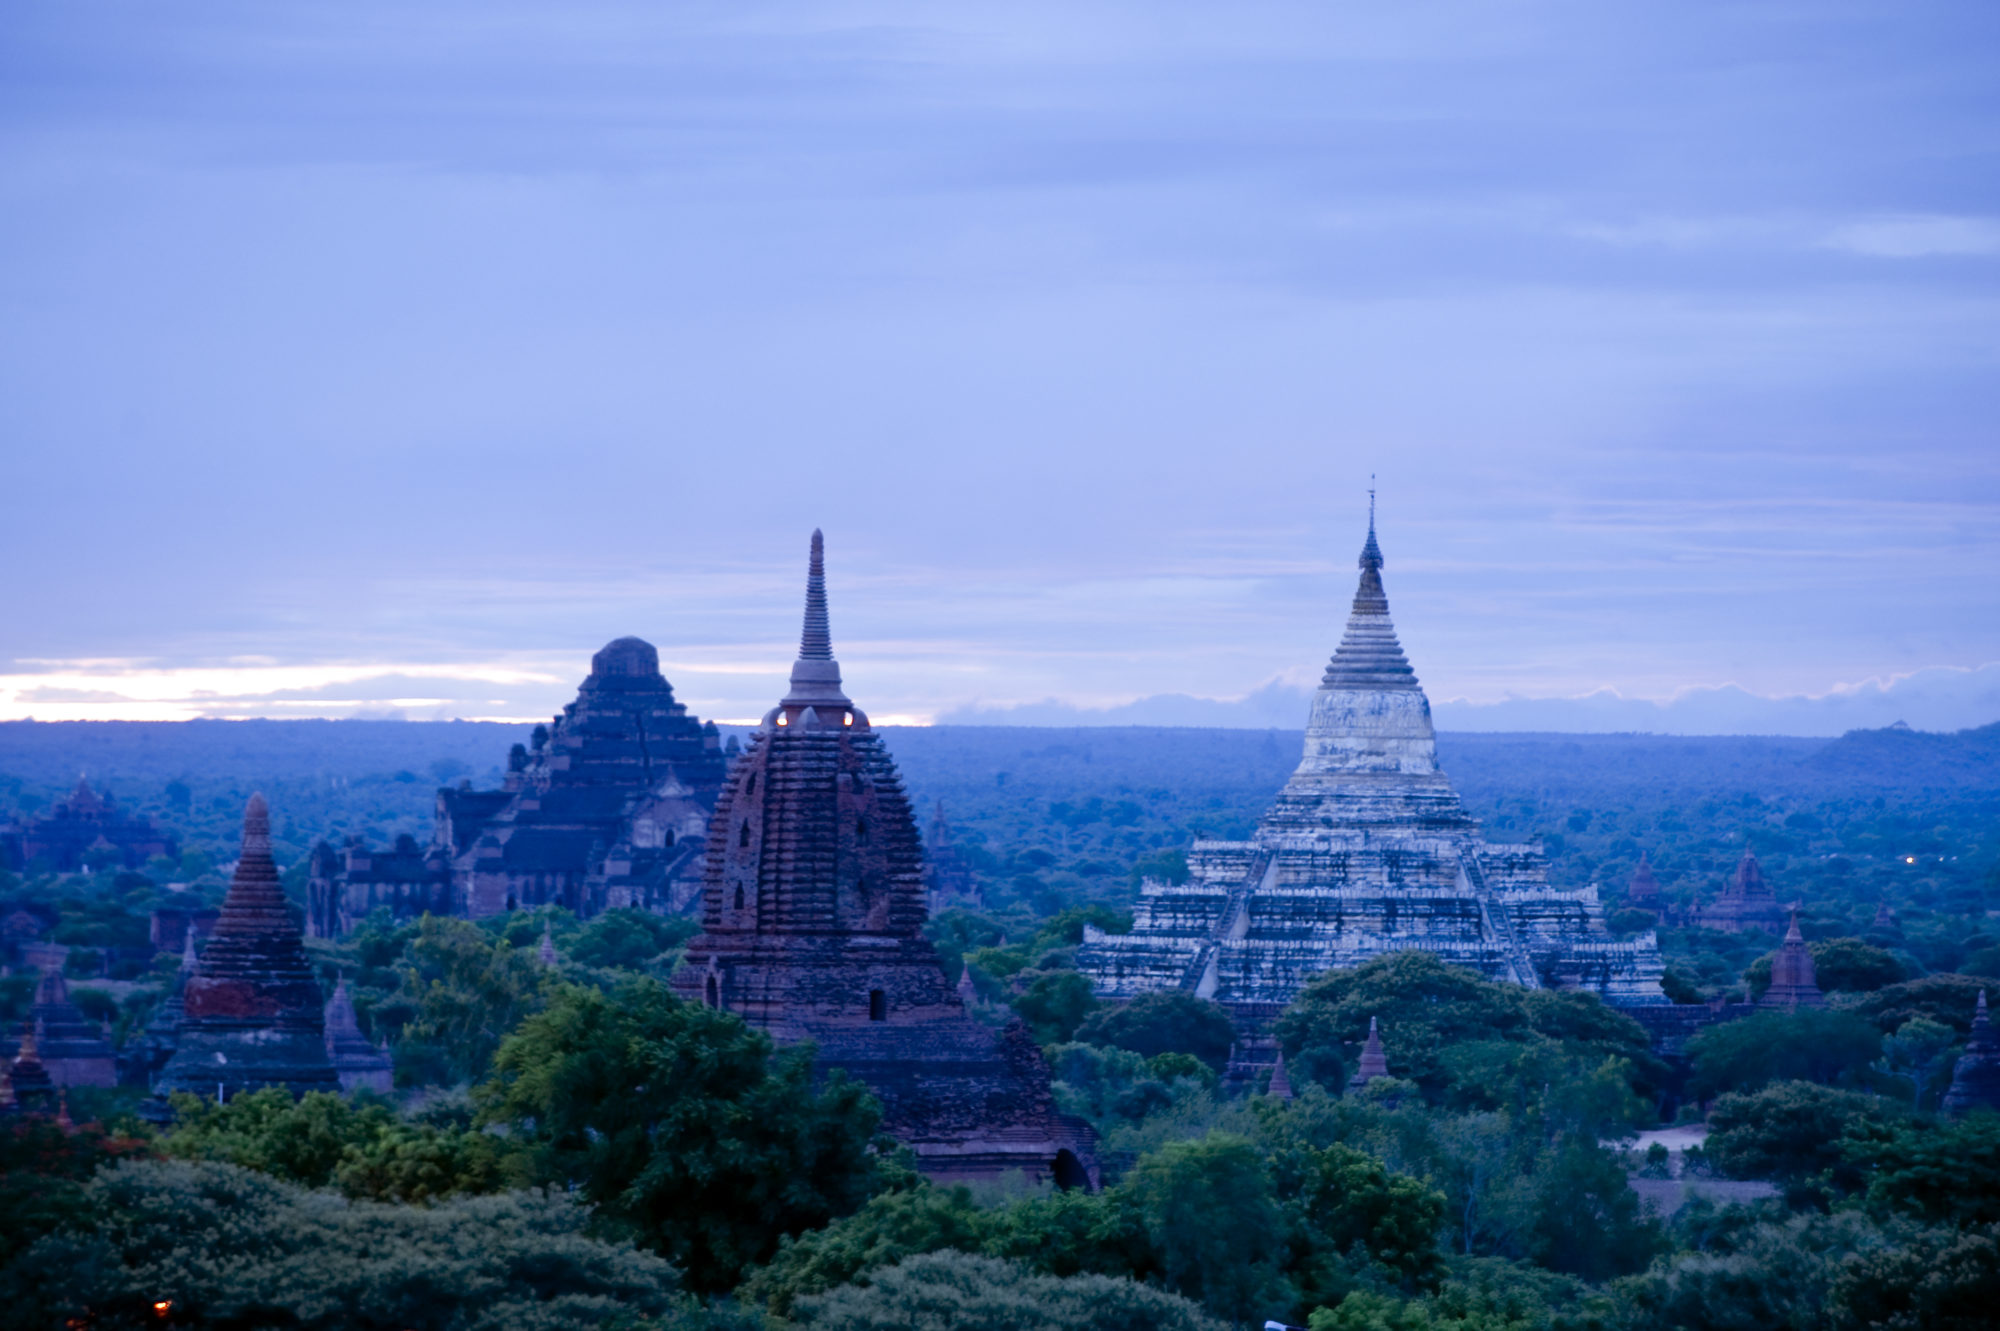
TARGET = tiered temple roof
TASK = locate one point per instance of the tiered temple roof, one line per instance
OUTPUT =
(73, 827)
(812, 910)
(606, 809)
(1975, 1078)
(252, 1013)
(1747, 903)
(1366, 851)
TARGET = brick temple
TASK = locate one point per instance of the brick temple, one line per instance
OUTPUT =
(605, 808)
(59, 841)
(1366, 851)
(812, 905)
(251, 1011)
(1747, 903)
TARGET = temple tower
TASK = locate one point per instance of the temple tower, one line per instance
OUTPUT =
(1794, 983)
(1975, 1079)
(813, 902)
(251, 1012)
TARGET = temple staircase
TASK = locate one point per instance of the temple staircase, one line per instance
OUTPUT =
(1498, 922)
(1199, 976)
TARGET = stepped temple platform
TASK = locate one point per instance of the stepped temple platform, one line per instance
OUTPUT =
(1366, 851)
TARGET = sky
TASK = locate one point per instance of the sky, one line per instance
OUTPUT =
(374, 359)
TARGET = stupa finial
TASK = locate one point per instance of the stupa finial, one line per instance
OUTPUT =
(816, 675)
(816, 641)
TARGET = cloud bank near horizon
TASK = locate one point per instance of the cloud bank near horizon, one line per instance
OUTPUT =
(354, 355)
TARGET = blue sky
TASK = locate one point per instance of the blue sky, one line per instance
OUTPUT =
(362, 357)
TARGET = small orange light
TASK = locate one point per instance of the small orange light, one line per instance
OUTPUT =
(161, 1307)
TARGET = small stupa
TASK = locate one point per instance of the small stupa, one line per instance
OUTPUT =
(1281, 1080)
(1794, 984)
(253, 1016)
(1374, 1063)
(359, 1064)
(1975, 1079)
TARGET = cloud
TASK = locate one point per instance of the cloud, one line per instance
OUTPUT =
(1918, 236)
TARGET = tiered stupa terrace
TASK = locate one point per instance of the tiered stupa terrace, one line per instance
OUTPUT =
(1366, 851)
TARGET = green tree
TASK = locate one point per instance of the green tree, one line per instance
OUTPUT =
(1945, 998)
(1942, 1172)
(1813, 1044)
(1935, 1280)
(628, 939)
(1055, 1004)
(228, 1248)
(43, 1170)
(467, 990)
(300, 1141)
(1340, 1199)
(1160, 1023)
(1793, 1132)
(1208, 1208)
(951, 1291)
(1919, 1050)
(679, 1123)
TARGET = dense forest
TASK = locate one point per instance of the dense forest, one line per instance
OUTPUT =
(569, 1146)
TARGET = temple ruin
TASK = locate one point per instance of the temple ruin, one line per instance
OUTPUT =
(1366, 851)
(62, 840)
(812, 910)
(605, 808)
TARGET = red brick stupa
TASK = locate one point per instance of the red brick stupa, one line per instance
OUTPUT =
(252, 1013)
(1794, 982)
(813, 902)
(1643, 893)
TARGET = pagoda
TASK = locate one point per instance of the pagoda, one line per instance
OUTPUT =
(1747, 903)
(812, 912)
(1794, 982)
(1366, 851)
(359, 1064)
(1975, 1078)
(251, 1012)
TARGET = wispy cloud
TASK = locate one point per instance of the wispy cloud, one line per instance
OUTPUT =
(1918, 236)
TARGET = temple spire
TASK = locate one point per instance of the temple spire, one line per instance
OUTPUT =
(1374, 1063)
(816, 640)
(1369, 656)
(816, 675)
